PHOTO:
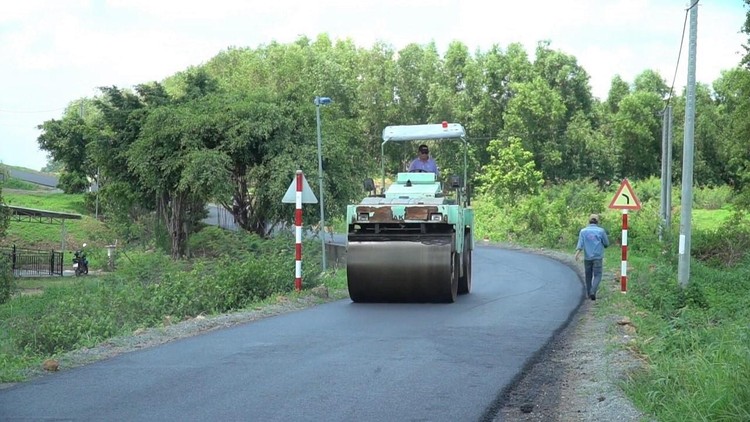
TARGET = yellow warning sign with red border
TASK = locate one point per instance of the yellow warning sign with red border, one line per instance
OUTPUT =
(625, 198)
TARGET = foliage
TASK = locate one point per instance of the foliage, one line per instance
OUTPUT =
(746, 29)
(4, 212)
(511, 172)
(726, 246)
(17, 184)
(7, 282)
(712, 197)
(550, 219)
(637, 130)
(535, 114)
(250, 110)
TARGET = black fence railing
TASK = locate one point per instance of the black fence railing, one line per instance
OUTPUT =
(31, 262)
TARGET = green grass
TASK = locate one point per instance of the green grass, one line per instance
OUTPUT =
(21, 185)
(50, 201)
(710, 220)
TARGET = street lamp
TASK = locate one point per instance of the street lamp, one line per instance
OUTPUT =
(318, 102)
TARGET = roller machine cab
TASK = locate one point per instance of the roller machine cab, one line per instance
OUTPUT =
(412, 242)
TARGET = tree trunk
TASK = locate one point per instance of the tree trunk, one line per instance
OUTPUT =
(173, 207)
(242, 203)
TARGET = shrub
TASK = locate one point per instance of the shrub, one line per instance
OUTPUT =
(726, 246)
(712, 198)
(7, 282)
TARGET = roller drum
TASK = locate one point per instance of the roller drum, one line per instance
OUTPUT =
(402, 269)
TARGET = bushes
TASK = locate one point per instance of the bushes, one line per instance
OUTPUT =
(712, 198)
(725, 247)
(551, 219)
(7, 284)
(149, 286)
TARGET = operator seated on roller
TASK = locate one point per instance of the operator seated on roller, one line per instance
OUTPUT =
(424, 163)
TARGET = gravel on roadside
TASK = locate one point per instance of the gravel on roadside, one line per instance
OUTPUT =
(576, 377)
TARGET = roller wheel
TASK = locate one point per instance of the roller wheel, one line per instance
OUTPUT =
(464, 281)
(452, 291)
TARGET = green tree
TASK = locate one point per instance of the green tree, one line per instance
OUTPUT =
(4, 212)
(618, 90)
(68, 140)
(637, 130)
(593, 155)
(651, 81)
(563, 74)
(733, 99)
(534, 115)
(709, 168)
(511, 172)
(173, 158)
(746, 29)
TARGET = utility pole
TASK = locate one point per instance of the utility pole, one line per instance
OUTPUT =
(664, 159)
(683, 268)
(665, 209)
(668, 222)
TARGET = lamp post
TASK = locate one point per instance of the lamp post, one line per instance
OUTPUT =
(318, 102)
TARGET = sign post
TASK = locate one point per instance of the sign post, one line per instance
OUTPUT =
(625, 199)
(299, 192)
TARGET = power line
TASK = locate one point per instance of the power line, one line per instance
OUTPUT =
(679, 54)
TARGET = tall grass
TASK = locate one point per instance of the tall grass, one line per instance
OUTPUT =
(698, 343)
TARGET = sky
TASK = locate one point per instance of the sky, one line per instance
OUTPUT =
(55, 52)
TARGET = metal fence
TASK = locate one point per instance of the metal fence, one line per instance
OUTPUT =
(31, 262)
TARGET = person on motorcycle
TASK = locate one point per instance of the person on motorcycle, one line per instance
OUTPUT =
(79, 258)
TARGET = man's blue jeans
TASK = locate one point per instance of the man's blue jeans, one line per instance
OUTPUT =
(593, 270)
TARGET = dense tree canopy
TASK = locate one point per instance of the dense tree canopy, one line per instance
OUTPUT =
(234, 130)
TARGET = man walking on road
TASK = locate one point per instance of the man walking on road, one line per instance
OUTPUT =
(592, 240)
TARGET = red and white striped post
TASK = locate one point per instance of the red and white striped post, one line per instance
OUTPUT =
(625, 199)
(298, 233)
(624, 262)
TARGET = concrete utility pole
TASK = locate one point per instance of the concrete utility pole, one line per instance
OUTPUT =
(665, 206)
(683, 268)
(668, 222)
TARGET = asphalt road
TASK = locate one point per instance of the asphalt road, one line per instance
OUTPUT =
(339, 361)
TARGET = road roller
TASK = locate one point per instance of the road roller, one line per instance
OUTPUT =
(413, 241)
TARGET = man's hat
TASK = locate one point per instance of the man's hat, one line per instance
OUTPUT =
(594, 218)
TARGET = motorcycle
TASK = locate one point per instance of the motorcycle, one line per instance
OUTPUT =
(80, 263)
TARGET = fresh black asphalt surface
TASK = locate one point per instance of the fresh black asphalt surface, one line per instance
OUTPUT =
(340, 361)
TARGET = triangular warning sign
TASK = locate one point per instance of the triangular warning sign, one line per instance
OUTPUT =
(625, 198)
(308, 197)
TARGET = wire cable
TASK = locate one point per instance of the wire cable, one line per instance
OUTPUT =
(679, 54)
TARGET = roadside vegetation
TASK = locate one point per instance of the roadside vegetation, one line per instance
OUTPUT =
(694, 342)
